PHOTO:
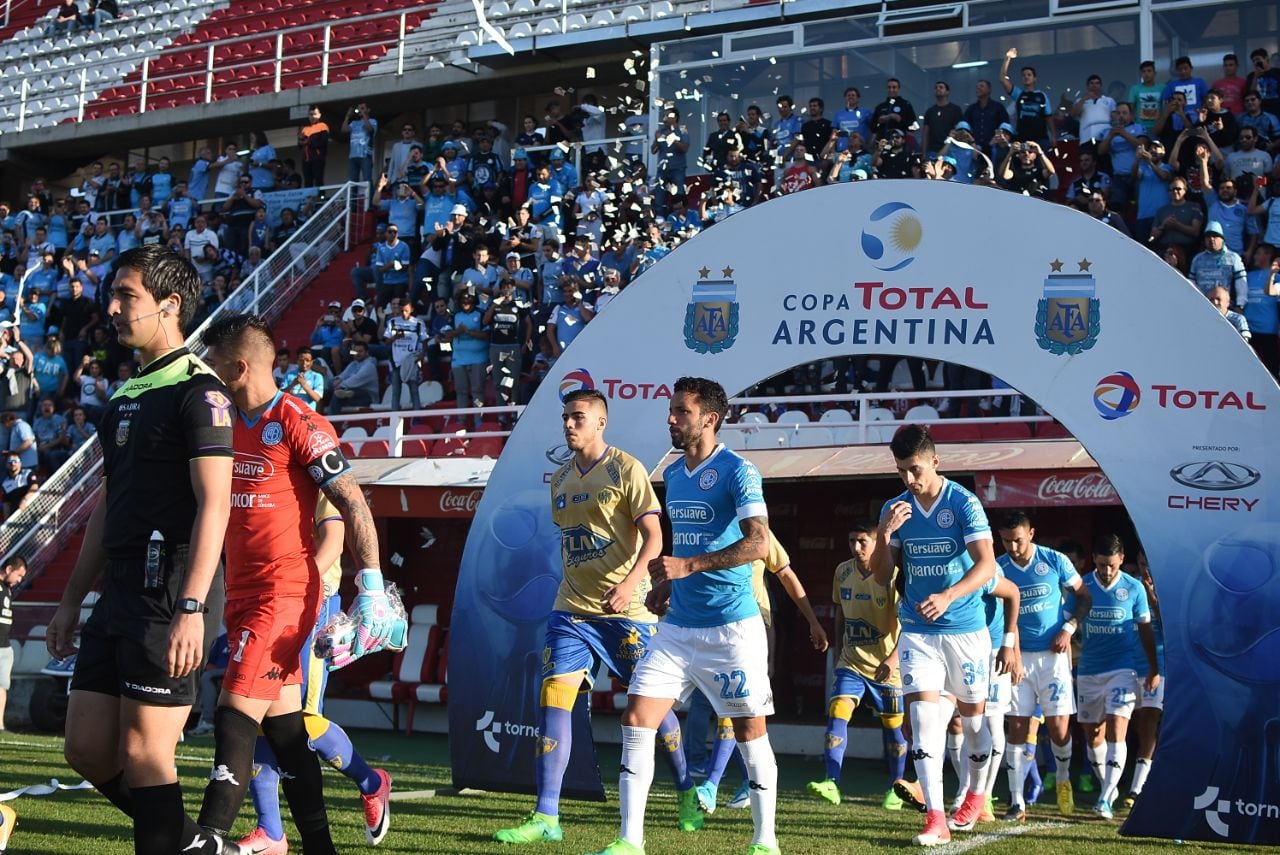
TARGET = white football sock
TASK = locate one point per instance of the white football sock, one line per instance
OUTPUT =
(1017, 773)
(977, 752)
(1141, 769)
(634, 780)
(762, 788)
(1062, 759)
(995, 726)
(928, 735)
(1097, 755)
(955, 754)
(1117, 754)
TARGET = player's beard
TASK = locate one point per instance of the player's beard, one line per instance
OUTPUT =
(680, 440)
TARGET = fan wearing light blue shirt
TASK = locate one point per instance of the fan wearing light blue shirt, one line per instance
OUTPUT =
(1119, 618)
(1043, 577)
(937, 532)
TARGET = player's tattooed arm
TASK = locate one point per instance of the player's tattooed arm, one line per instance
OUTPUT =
(347, 497)
(753, 545)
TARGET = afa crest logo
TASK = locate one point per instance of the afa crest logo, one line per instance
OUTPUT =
(1068, 316)
(711, 319)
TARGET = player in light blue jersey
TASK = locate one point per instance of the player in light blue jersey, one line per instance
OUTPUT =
(713, 638)
(1042, 575)
(1146, 718)
(1001, 600)
(937, 532)
(1119, 618)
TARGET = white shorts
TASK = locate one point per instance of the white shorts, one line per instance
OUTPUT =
(959, 664)
(729, 664)
(998, 694)
(1047, 683)
(6, 669)
(1101, 695)
(1150, 700)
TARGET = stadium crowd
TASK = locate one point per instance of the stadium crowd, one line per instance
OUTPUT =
(494, 250)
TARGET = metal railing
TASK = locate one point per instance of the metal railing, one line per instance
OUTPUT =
(232, 60)
(63, 503)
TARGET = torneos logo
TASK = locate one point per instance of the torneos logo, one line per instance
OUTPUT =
(493, 729)
(1215, 809)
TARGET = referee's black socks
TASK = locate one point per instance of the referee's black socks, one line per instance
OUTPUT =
(301, 780)
(234, 734)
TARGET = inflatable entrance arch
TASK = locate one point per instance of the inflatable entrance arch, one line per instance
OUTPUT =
(1158, 387)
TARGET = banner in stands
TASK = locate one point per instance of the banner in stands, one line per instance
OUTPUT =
(1046, 488)
(1132, 359)
(277, 200)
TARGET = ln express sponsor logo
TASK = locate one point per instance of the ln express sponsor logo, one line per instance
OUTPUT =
(460, 503)
(1216, 809)
(492, 729)
(880, 314)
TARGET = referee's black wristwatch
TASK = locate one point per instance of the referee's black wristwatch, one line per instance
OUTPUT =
(190, 606)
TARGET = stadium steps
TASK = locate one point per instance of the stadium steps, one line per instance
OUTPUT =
(294, 328)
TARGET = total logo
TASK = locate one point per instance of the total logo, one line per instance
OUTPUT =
(1119, 394)
(1215, 809)
(623, 390)
(492, 729)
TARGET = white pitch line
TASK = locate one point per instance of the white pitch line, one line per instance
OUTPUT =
(978, 841)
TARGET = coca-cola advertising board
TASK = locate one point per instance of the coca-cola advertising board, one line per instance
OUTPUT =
(1045, 488)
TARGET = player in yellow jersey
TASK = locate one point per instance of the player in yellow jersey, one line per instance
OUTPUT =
(327, 739)
(777, 562)
(607, 511)
(867, 626)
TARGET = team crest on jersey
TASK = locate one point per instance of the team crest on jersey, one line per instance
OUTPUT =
(122, 432)
(708, 479)
(711, 320)
(1068, 317)
(606, 497)
(272, 433)
(1042, 569)
(1122, 594)
(946, 519)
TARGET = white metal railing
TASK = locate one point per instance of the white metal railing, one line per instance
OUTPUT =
(398, 422)
(231, 60)
(64, 501)
(576, 148)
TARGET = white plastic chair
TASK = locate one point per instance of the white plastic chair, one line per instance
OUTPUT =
(836, 415)
(812, 438)
(921, 413)
(794, 417)
(356, 436)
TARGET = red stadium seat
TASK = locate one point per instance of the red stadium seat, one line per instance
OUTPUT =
(1006, 430)
(944, 432)
(1051, 430)
(415, 448)
(416, 668)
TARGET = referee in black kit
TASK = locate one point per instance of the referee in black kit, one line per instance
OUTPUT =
(166, 442)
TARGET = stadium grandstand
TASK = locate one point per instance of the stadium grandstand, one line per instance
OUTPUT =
(576, 143)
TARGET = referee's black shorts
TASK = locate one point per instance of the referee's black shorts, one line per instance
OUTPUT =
(124, 645)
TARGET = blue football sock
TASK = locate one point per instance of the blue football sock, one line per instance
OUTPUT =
(837, 735)
(1033, 771)
(334, 747)
(895, 752)
(264, 789)
(669, 744)
(556, 727)
(724, 748)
